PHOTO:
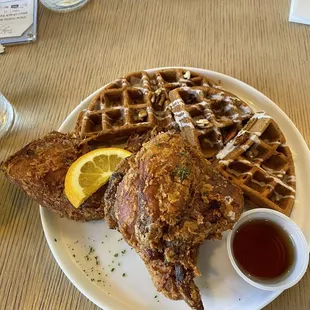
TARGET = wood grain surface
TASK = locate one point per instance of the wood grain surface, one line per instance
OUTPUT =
(78, 52)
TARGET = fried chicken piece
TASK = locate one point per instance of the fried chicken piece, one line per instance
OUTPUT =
(166, 201)
(40, 169)
(136, 140)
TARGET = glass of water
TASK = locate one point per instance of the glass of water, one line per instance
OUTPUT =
(7, 116)
(64, 5)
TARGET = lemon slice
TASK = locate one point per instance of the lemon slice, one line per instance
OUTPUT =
(90, 171)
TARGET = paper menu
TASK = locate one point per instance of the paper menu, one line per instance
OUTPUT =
(300, 12)
(18, 21)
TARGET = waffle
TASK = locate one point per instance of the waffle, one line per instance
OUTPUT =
(261, 163)
(208, 117)
(138, 102)
(135, 103)
(169, 79)
(166, 79)
(117, 113)
(139, 79)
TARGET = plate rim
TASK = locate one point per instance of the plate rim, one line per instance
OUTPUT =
(87, 292)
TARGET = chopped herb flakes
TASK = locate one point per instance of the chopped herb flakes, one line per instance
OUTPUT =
(112, 269)
(123, 252)
(124, 275)
(55, 239)
(181, 172)
(115, 255)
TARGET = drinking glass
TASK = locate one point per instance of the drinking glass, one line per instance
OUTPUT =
(7, 115)
(63, 5)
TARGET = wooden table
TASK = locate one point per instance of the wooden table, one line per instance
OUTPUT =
(78, 52)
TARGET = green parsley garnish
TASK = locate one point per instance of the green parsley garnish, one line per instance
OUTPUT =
(181, 172)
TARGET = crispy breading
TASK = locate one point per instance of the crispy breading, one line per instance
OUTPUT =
(166, 201)
(136, 140)
(40, 169)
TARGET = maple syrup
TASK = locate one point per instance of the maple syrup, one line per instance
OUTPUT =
(263, 250)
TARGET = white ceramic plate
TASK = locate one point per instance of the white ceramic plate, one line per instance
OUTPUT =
(117, 279)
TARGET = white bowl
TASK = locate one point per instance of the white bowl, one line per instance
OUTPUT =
(300, 246)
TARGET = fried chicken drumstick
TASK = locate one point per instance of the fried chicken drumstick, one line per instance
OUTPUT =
(166, 201)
